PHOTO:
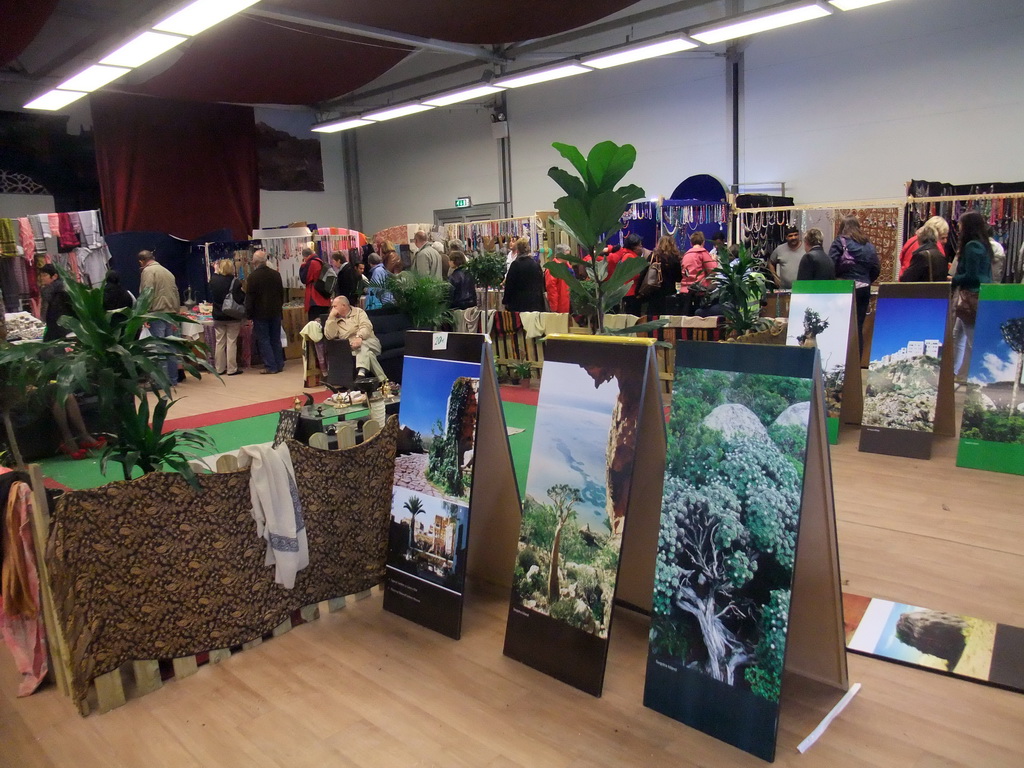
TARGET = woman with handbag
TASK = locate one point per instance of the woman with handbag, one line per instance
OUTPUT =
(927, 263)
(855, 259)
(227, 321)
(974, 267)
(662, 277)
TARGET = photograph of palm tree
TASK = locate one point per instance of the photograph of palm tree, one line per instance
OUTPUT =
(427, 538)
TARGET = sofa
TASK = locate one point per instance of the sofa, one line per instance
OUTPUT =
(389, 326)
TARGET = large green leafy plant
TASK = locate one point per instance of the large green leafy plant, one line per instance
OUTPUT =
(488, 271)
(591, 212)
(106, 358)
(425, 299)
(739, 287)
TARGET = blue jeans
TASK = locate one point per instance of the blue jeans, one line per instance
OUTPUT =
(268, 342)
(162, 329)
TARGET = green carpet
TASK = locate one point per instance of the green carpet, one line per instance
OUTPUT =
(229, 436)
(521, 417)
(232, 435)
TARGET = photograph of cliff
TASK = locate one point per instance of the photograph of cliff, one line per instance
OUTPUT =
(822, 321)
(994, 407)
(577, 489)
(902, 379)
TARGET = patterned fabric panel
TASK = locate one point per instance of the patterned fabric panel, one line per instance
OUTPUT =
(148, 569)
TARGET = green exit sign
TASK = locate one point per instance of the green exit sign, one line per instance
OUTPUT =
(463, 202)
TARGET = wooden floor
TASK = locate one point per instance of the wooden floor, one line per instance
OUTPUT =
(364, 688)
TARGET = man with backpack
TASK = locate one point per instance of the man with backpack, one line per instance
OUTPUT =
(312, 273)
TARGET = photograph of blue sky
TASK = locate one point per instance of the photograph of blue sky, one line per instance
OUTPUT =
(898, 321)
(570, 439)
(427, 384)
(832, 342)
(992, 359)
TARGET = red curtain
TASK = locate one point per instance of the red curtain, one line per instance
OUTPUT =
(178, 167)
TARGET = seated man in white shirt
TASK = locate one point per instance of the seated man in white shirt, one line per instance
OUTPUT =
(351, 323)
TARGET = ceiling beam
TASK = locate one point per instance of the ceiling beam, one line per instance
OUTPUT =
(374, 33)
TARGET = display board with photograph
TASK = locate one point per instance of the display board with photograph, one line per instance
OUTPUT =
(747, 479)
(901, 396)
(434, 471)
(992, 430)
(961, 646)
(821, 316)
(586, 437)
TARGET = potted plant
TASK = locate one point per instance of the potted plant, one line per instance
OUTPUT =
(591, 212)
(739, 287)
(106, 358)
(520, 371)
(488, 272)
(425, 299)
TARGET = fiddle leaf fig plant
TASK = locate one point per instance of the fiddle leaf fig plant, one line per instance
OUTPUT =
(591, 211)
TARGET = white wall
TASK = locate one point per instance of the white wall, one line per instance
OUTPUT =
(673, 110)
(412, 166)
(847, 107)
(853, 106)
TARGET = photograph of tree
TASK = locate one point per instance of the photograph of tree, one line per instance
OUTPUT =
(729, 518)
(902, 379)
(822, 321)
(427, 538)
(577, 489)
(994, 408)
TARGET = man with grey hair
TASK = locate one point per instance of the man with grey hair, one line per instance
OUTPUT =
(351, 323)
(159, 280)
(425, 258)
(264, 299)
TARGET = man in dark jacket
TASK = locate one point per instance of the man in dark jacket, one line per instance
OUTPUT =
(264, 298)
(55, 302)
(815, 264)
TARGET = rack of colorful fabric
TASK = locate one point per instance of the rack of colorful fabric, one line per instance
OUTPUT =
(498, 234)
(331, 239)
(71, 240)
(1002, 204)
(681, 218)
(284, 250)
(880, 220)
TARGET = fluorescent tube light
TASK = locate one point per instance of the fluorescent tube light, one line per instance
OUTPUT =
(55, 100)
(463, 94)
(541, 76)
(761, 21)
(200, 15)
(640, 52)
(93, 77)
(852, 5)
(392, 112)
(341, 125)
(143, 48)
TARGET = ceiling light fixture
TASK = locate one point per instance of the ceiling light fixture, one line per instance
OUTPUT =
(647, 50)
(541, 75)
(852, 5)
(200, 15)
(91, 78)
(760, 21)
(463, 94)
(142, 48)
(53, 100)
(392, 112)
(341, 125)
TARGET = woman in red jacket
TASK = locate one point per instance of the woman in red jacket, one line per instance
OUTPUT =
(556, 288)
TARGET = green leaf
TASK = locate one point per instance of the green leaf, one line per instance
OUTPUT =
(630, 192)
(574, 216)
(571, 184)
(574, 156)
(607, 163)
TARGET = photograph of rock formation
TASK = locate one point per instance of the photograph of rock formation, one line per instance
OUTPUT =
(902, 379)
(730, 512)
(577, 489)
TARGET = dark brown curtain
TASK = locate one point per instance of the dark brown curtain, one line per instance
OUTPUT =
(177, 167)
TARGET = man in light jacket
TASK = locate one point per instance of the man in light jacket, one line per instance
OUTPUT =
(347, 322)
(165, 299)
